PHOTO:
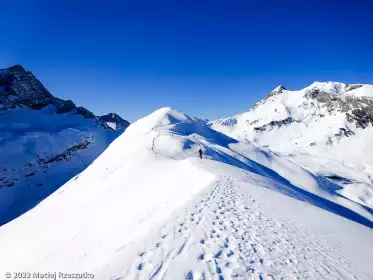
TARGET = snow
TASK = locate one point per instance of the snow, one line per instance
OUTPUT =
(334, 88)
(29, 139)
(290, 123)
(354, 179)
(339, 89)
(364, 91)
(279, 88)
(162, 117)
(112, 125)
(149, 208)
(233, 230)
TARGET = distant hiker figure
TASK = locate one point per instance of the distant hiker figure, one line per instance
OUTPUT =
(200, 153)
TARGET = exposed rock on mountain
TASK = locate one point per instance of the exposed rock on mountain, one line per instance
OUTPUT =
(328, 121)
(326, 108)
(114, 121)
(44, 141)
(20, 87)
(150, 208)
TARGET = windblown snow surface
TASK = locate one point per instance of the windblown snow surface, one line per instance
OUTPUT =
(149, 208)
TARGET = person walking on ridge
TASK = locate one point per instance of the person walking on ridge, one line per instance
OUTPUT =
(200, 153)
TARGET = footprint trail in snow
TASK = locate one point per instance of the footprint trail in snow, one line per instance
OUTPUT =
(226, 235)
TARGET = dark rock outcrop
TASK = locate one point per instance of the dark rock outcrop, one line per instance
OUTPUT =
(20, 88)
(85, 113)
(344, 132)
(116, 119)
(66, 107)
(359, 110)
(360, 117)
(272, 124)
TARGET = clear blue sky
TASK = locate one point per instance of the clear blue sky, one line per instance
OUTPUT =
(206, 58)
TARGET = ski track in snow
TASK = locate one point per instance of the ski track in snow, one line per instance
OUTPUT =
(227, 236)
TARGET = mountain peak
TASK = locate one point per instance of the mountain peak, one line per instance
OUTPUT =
(279, 89)
(168, 115)
(161, 117)
(22, 88)
(327, 83)
(334, 88)
(13, 69)
(114, 121)
(16, 68)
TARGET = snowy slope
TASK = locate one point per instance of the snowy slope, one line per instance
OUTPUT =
(149, 208)
(44, 141)
(330, 121)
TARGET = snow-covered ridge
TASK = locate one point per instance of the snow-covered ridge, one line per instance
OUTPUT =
(330, 120)
(163, 117)
(331, 104)
(44, 141)
(149, 208)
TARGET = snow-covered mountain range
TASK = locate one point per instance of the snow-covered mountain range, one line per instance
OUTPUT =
(283, 191)
(325, 127)
(44, 140)
(150, 208)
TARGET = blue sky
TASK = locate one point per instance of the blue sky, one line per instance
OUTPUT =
(206, 58)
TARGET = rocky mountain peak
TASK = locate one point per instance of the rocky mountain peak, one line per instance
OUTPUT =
(331, 89)
(279, 89)
(114, 121)
(20, 88)
(16, 68)
(328, 107)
